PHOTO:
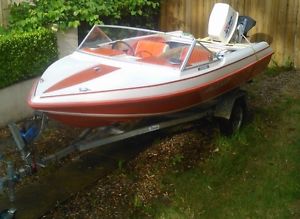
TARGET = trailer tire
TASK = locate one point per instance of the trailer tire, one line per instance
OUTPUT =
(232, 125)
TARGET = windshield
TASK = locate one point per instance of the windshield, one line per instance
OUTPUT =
(144, 46)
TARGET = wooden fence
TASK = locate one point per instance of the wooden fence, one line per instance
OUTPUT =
(278, 22)
(3, 12)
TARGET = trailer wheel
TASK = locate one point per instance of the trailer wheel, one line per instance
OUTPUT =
(237, 117)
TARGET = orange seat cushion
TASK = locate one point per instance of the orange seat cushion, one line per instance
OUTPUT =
(147, 48)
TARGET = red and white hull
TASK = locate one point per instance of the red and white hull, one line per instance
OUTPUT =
(93, 91)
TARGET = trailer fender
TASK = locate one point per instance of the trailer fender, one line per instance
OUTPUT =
(224, 106)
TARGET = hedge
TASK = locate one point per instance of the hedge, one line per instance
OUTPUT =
(25, 55)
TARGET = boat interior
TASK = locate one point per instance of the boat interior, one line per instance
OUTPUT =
(163, 49)
(157, 48)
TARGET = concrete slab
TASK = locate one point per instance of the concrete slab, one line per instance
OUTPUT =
(13, 101)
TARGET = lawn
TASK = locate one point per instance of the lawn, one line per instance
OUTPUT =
(253, 174)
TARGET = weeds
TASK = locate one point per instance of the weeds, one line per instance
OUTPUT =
(137, 202)
(121, 164)
(177, 159)
(275, 69)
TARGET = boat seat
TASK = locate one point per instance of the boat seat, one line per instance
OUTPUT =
(148, 48)
(198, 55)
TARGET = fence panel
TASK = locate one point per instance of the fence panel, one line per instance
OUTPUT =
(3, 12)
(278, 22)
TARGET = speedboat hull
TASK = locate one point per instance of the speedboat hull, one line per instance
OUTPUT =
(106, 107)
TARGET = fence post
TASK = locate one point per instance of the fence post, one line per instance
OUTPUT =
(1, 14)
(4, 11)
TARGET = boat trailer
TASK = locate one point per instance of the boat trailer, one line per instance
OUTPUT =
(230, 108)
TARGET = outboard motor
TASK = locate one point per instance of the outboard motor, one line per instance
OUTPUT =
(225, 25)
(222, 23)
(245, 23)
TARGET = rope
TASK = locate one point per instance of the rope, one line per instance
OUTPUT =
(251, 46)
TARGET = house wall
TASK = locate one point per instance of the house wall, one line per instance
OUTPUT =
(14, 107)
(278, 22)
(13, 101)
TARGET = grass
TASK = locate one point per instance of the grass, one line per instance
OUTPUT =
(275, 69)
(254, 174)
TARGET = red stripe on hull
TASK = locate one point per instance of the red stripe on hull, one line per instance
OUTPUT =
(154, 105)
(83, 76)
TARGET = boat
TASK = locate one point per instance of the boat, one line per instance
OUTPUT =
(120, 74)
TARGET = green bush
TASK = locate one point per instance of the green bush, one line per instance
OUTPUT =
(25, 55)
(3, 31)
(63, 14)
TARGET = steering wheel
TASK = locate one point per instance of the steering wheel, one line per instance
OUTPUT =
(115, 46)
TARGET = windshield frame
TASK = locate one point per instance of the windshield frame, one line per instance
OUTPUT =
(179, 36)
(116, 26)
